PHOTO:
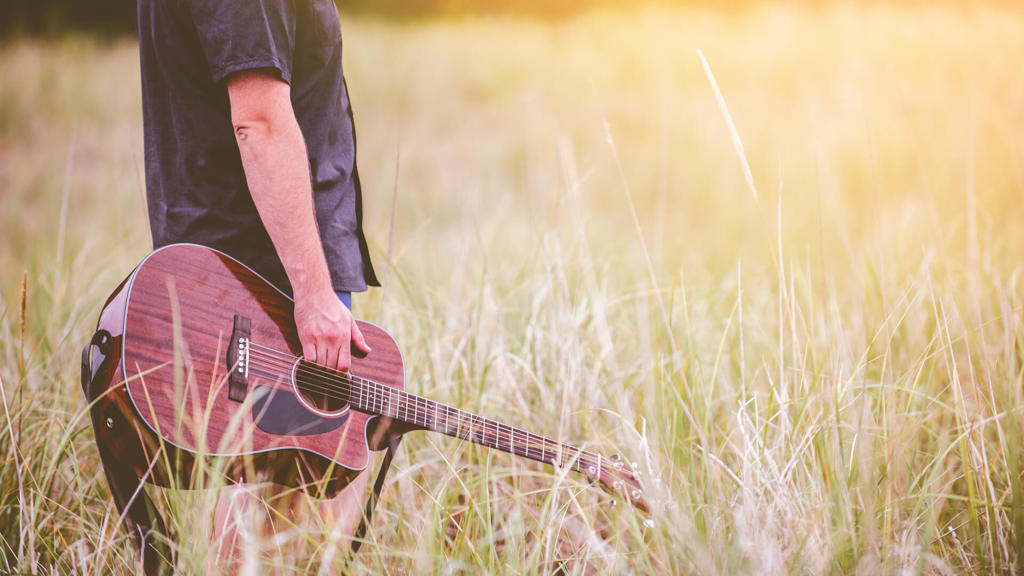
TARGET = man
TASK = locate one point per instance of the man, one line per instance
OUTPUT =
(250, 149)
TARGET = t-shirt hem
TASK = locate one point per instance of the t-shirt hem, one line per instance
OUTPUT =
(222, 71)
(350, 286)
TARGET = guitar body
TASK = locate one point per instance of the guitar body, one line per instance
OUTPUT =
(201, 369)
(200, 373)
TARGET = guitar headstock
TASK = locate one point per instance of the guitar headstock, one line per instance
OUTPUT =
(620, 478)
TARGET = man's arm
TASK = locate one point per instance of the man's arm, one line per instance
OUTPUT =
(277, 171)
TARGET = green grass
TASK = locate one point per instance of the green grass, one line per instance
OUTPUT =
(827, 379)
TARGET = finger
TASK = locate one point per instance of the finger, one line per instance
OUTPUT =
(321, 356)
(358, 340)
(344, 356)
(331, 357)
(308, 351)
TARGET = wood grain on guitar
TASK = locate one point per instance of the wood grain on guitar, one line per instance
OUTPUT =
(212, 367)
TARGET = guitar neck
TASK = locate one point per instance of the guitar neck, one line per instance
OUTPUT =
(370, 397)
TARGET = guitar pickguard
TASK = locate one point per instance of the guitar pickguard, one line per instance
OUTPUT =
(279, 412)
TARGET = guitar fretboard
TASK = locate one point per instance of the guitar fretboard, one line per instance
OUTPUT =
(373, 398)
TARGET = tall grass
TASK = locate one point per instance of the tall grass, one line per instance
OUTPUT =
(827, 379)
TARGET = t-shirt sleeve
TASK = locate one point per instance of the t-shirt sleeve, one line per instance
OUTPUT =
(239, 35)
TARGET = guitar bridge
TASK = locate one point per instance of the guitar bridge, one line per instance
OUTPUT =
(238, 359)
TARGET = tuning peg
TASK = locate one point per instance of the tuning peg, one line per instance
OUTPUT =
(615, 457)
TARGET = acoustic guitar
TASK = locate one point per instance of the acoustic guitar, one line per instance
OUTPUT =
(203, 361)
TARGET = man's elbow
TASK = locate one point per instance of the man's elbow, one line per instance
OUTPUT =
(260, 106)
(249, 130)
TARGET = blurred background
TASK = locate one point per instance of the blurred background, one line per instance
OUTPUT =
(788, 282)
(118, 16)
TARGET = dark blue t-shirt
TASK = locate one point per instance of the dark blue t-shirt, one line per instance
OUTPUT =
(195, 184)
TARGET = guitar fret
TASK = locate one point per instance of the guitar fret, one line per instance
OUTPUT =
(419, 411)
(435, 416)
(369, 396)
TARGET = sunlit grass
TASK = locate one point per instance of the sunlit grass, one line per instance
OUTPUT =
(826, 379)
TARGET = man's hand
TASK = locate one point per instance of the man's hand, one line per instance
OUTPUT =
(325, 328)
(276, 166)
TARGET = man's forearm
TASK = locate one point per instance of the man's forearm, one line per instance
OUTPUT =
(276, 167)
(274, 156)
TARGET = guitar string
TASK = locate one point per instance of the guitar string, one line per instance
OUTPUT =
(315, 370)
(529, 449)
(495, 428)
(287, 362)
(491, 432)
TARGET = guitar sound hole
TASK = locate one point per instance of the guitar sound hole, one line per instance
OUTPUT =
(323, 401)
(319, 389)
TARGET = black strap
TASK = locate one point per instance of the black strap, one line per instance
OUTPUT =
(137, 512)
(371, 500)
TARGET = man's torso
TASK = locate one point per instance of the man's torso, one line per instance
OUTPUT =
(196, 187)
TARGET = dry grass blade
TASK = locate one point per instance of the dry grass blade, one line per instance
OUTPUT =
(733, 132)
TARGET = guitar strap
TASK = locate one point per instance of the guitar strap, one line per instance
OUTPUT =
(136, 511)
(371, 500)
(135, 508)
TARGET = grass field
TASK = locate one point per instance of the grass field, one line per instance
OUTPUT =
(819, 370)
